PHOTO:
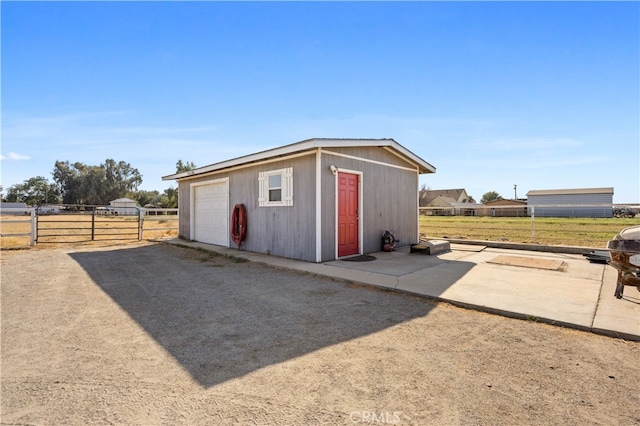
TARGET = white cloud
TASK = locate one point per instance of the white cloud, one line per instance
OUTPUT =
(13, 156)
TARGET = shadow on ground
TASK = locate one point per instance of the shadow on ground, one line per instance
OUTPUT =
(222, 319)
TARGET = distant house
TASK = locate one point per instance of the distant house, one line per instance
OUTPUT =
(457, 195)
(580, 202)
(442, 201)
(503, 208)
(448, 201)
(124, 207)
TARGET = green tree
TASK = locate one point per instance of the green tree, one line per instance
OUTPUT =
(184, 167)
(67, 179)
(121, 179)
(82, 184)
(147, 197)
(169, 200)
(93, 186)
(490, 196)
(422, 195)
(34, 192)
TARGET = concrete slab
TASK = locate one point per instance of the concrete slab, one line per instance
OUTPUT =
(527, 262)
(549, 296)
(395, 263)
(617, 317)
(552, 296)
(578, 295)
(437, 280)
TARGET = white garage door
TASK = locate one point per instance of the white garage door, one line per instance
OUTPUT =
(210, 221)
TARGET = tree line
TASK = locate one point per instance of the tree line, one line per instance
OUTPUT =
(79, 183)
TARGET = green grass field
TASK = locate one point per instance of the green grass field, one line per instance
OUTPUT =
(584, 232)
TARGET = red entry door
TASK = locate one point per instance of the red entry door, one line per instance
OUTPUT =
(347, 214)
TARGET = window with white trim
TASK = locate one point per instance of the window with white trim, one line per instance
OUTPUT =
(276, 188)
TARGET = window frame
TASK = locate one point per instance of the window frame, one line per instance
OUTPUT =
(286, 188)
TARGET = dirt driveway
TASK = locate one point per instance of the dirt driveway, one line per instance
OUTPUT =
(157, 334)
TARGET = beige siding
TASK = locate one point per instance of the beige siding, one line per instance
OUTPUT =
(372, 153)
(390, 202)
(184, 210)
(280, 231)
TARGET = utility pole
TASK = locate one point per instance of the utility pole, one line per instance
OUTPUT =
(515, 192)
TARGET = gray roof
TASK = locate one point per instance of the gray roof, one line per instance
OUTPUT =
(448, 200)
(123, 200)
(306, 145)
(8, 205)
(575, 191)
(432, 194)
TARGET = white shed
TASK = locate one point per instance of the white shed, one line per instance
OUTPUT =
(124, 207)
(579, 202)
(12, 208)
(315, 200)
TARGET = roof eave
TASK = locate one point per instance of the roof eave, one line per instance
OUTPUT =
(305, 145)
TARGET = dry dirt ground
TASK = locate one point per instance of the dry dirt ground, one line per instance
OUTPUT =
(156, 334)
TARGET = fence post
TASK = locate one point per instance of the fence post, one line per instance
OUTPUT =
(93, 224)
(533, 221)
(140, 224)
(33, 228)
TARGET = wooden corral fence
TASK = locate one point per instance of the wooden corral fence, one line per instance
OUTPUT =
(81, 223)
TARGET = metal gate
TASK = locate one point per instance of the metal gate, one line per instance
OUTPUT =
(79, 223)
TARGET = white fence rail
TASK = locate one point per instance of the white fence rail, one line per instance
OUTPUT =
(157, 215)
(525, 210)
(20, 212)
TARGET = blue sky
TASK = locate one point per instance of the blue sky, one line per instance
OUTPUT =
(542, 95)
